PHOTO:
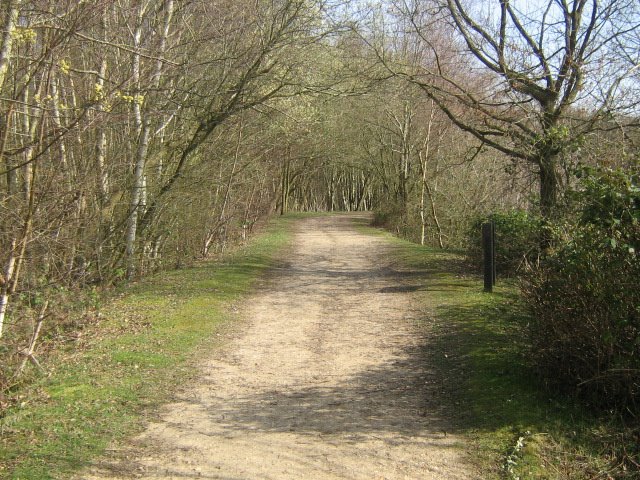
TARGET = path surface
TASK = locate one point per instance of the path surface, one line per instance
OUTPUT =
(325, 380)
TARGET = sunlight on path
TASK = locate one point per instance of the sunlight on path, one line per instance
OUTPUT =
(327, 380)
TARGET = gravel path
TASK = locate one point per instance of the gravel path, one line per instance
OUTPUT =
(324, 380)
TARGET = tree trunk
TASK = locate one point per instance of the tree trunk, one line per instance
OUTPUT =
(434, 215)
(143, 129)
(424, 157)
(16, 256)
(101, 143)
(8, 25)
(141, 150)
(10, 175)
(423, 218)
(7, 283)
(286, 185)
(548, 185)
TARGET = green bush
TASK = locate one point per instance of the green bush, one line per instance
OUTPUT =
(384, 218)
(584, 296)
(517, 240)
(394, 218)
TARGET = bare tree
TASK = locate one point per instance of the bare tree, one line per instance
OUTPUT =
(254, 64)
(530, 80)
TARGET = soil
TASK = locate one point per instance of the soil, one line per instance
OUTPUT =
(326, 378)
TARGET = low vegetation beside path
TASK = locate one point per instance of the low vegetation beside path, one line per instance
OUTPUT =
(143, 344)
(146, 339)
(517, 429)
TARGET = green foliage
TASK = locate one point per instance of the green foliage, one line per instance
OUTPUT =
(391, 217)
(101, 385)
(512, 427)
(584, 297)
(517, 240)
(611, 201)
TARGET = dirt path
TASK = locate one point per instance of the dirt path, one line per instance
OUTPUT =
(326, 380)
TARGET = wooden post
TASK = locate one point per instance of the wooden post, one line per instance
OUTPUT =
(489, 254)
(493, 250)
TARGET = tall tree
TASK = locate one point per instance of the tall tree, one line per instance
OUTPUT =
(528, 79)
(248, 62)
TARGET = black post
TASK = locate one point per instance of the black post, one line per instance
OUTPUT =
(488, 249)
(493, 248)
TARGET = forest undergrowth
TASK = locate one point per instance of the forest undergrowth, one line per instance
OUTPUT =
(517, 428)
(141, 344)
(146, 338)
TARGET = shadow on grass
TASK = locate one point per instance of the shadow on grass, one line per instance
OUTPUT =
(477, 346)
(483, 348)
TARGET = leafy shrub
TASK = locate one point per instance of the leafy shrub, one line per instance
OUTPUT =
(585, 300)
(383, 218)
(393, 218)
(517, 240)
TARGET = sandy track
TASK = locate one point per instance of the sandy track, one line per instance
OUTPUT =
(326, 380)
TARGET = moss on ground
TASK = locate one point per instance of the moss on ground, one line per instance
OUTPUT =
(150, 334)
(477, 343)
(100, 387)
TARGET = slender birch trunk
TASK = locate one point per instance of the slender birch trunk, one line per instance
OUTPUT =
(101, 143)
(424, 157)
(16, 256)
(143, 130)
(140, 157)
(10, 20)
(57, 121)
(19, 242)
(7, 281)
(434, 215)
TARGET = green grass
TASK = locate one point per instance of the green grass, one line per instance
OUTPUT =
(150, 335)
(477, 344)
(143, 346)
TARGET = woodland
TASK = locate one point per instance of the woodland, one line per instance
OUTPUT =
(142, 135)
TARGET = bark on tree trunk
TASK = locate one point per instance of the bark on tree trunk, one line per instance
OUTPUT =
(8, 25)
(141, 151)
(424, 157)
(101, 144)
(16, 256)
(7, 282)
(284, 196)
(548, 185)
(423, 219)
(143, 129)
(434, 215)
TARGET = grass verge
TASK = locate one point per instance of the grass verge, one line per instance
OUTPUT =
(515, 429)
(101, 385)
